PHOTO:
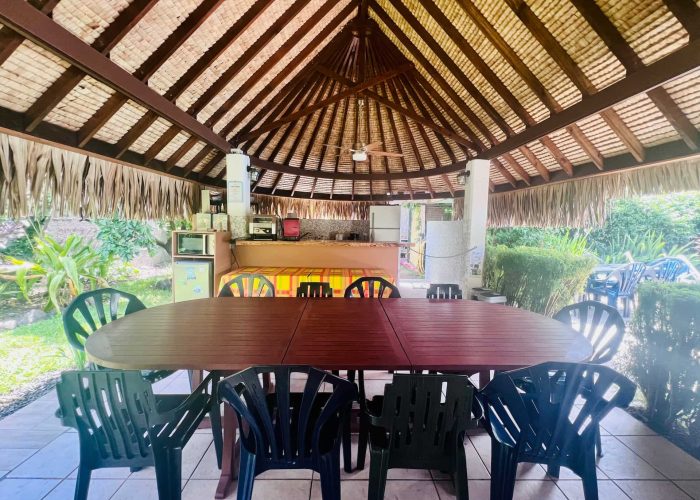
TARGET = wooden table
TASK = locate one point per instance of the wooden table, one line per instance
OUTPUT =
(230, 334)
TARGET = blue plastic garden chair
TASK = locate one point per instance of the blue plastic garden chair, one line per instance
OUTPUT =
(622, 284)
(669, 269)
(544, 425)
(289, 430)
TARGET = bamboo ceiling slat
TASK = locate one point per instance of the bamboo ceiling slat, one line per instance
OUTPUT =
(120, 123)
(646, 121)
(599, 133)
(191, 154)
(685, 91)
(195, 46)
(87, 20)
(204, 161)
(80, 104)
(144, 38)
(172, 146)
(150, 136)
(27, 74)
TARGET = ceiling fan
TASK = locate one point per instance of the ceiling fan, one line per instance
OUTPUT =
(361, 153)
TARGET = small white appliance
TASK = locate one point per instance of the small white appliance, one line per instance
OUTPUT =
(385, 223)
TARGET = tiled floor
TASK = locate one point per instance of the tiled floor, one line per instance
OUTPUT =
(38, 459)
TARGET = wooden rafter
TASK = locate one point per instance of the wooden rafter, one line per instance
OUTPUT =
(10, 40)
(688, 14)
(180, 152)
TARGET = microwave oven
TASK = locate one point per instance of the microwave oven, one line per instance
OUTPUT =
(196, 243)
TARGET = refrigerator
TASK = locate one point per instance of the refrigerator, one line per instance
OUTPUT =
(192, 280)
(385, 223)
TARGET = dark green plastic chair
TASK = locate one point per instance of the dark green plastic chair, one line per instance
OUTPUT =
(121, 423)
(544, 425)
(289, 430)
(420, 423)
(444, 291)
(372, 287)
(248, 285)
(314, 290)
(92, 310)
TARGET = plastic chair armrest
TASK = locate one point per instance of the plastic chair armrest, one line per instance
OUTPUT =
(172, 415)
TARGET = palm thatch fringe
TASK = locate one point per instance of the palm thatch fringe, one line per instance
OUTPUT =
(313, 209)
(39, 179)
(582, 202)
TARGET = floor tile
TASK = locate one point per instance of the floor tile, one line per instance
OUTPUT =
(537, 490)
(670, 460)
(652, 490)
(27, 439)
(478, 489)
(692, 488)
(620, 423)
(349, 490)
(482, 444)
(410, 490)
(270, 489)
(57, 460)
(3, 473)
(191, 457)
(26, 489)
(108, 473)
(141, 489)
(607, 490)
(9, 459)
(36, 420)
(619, 462)
(100, 489)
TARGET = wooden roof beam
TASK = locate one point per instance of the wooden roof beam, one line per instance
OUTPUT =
(335, 98)
(180, 152)
(688, 14)
(672, 66)
(31, 23)
(10, 40)
(617, 44)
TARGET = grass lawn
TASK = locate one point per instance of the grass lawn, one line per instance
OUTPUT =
(30, 351)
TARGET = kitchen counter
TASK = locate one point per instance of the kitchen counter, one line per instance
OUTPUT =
(342, 243)
(331, 254)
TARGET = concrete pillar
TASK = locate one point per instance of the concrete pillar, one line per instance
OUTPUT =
(238, 193)
(476, 192)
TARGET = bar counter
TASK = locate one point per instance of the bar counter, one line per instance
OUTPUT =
(319, 253)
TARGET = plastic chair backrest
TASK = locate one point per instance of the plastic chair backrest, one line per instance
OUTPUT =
(601, 324)
(372, 287)
(628, 277)
(444, 291)
(670, 269)
(422, 414)
(543, 423)
(248, 285)
(282, 430)
(109, 409)
(91, 310)
(314, 289)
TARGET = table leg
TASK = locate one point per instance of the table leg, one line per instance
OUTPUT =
(231, 452)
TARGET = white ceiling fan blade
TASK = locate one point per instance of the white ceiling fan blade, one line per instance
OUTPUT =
(334, 146)
(385, 153)
(372, 145)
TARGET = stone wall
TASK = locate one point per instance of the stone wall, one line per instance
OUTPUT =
(322, 229)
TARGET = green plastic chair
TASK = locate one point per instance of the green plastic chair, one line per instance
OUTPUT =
(248, 285)
(314, 290)
(92, 310)
(121, 423)
(420, 423)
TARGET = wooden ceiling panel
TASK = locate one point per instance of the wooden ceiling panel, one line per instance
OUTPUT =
(80, 104)
(151, 135)
(685, 91)
(602, 137)
(172, 146)
(646, 121)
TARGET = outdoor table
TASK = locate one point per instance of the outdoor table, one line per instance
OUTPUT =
(230, 334)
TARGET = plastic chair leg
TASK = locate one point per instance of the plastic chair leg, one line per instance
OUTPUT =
(246, 475)
(590, 478)
(83, 484)
(460, 473)
(378, 469)
(553, 471)
(598, 443)
(215, 419)
(347, 442)
(362, 442)
(330, 476)
(169, 472)
(504, 465)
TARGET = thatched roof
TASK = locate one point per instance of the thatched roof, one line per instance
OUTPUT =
(548, 90)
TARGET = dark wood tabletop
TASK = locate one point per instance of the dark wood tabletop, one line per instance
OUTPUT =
(465, 335)
(234, 333)
(346, 333)
(223, 333)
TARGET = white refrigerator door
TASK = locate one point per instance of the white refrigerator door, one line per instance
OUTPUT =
(386, 235)
(385, 223)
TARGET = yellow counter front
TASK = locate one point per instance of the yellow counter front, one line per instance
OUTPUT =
(329, 254)
(287, 279)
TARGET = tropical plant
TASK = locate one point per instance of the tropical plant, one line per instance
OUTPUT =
(542, 280)
(124, 238)
(64, 268)
(664, 357)
(569, 242)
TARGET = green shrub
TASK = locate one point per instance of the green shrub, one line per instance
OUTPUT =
(541, 280)
(664, 356)
(124, 238)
